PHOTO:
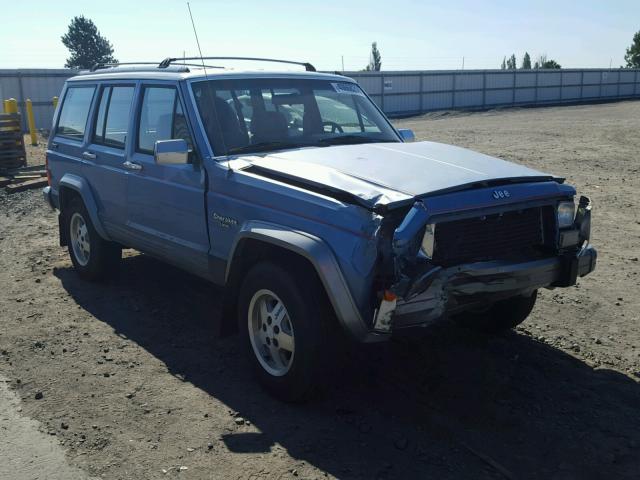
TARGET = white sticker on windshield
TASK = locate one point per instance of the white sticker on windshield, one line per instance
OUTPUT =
(346, 87)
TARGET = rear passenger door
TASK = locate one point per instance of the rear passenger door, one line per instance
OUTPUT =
(105, 157)
(166, 212)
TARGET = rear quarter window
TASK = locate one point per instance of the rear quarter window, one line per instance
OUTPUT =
(75, 111)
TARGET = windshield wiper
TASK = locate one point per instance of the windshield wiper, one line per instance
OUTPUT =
(352, 140)
(263, 147)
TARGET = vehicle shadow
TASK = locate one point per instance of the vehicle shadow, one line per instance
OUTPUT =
(452, 404)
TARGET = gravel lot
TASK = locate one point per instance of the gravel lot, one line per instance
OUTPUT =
(135, 384)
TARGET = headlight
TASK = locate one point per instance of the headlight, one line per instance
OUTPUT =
(428, 241)
(566, 213)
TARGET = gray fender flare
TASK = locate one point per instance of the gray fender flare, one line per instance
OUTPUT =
(321, 257)
(80, 185)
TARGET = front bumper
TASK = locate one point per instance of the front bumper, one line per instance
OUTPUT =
(443, 291)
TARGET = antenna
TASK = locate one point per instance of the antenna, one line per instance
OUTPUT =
(211, 95)
(197, 41)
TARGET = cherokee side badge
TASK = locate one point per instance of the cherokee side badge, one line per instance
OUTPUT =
(225, 221)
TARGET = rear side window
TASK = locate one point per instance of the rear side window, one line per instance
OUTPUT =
(161, 118)
(74, 112)
(112, 120)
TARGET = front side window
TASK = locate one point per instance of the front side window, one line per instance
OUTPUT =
(112, 120)
(257, 115)
(74, 112)
(161, 118)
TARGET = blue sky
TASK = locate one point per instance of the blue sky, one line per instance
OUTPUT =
(410, 34)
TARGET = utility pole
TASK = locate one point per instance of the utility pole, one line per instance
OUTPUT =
(462, 63)
(342, 63)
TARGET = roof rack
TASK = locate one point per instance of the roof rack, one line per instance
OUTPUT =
(307, 66)
(179, 66)
(98, 66)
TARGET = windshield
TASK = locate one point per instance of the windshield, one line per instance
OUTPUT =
(263, 114)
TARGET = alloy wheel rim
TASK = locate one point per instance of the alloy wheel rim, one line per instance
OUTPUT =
(80, 243)
(271, 332)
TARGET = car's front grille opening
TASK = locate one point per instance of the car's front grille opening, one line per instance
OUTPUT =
(510, 235)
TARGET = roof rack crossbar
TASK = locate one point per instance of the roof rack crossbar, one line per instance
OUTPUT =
(307, 66)
(98, 66)
(191, 65)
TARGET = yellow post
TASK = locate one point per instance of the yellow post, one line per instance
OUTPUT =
(13, 105)
(5, 106)
(31, 122)
(55, 102)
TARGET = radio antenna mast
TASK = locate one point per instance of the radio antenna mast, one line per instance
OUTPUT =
(211, 94)
(197, 41)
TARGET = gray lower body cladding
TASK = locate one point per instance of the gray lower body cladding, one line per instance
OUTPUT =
(443, 291)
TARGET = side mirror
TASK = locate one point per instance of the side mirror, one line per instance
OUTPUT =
(168, 152)
(407, 135)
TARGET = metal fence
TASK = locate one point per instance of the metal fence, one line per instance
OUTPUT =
(409, 93)
(403, 92)
(39, 85)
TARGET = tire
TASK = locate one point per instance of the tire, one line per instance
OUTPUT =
(291, 349)
(501, 316)
(93, 257)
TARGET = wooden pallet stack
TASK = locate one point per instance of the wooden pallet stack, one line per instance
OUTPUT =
(24, 178)
(12, 152)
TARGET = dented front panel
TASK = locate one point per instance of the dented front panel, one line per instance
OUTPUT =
(428, 289)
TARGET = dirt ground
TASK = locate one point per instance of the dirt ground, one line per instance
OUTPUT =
(135, 384)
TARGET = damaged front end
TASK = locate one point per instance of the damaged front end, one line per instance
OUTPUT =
(441, 262)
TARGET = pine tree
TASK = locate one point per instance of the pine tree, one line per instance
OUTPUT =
(86, 45)
(504, 64)
(633, 53)
(511, 63)
(526, 61)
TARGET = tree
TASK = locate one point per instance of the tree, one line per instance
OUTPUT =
(551, 64)
(542, 59)
(504, 64)
(526, 61)
(543, 62)
(511, 63)
(633, 52)
(375, 59)
(86, 45)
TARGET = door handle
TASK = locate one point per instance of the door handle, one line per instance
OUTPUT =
(89, 155)
(132, 166)
(54, 145)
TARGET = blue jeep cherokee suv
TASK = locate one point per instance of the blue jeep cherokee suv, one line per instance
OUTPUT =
(294, 192)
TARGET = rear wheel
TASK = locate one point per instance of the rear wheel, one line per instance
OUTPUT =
(92, 256)
(284, 321)
(500, 316)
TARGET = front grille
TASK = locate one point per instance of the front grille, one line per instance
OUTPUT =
(502, 236)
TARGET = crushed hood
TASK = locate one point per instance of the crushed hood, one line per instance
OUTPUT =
(387, 173)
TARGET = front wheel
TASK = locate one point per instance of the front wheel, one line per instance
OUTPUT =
(500, 316)
(284, 320)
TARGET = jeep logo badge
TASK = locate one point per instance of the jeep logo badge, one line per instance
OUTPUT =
(497, 194)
